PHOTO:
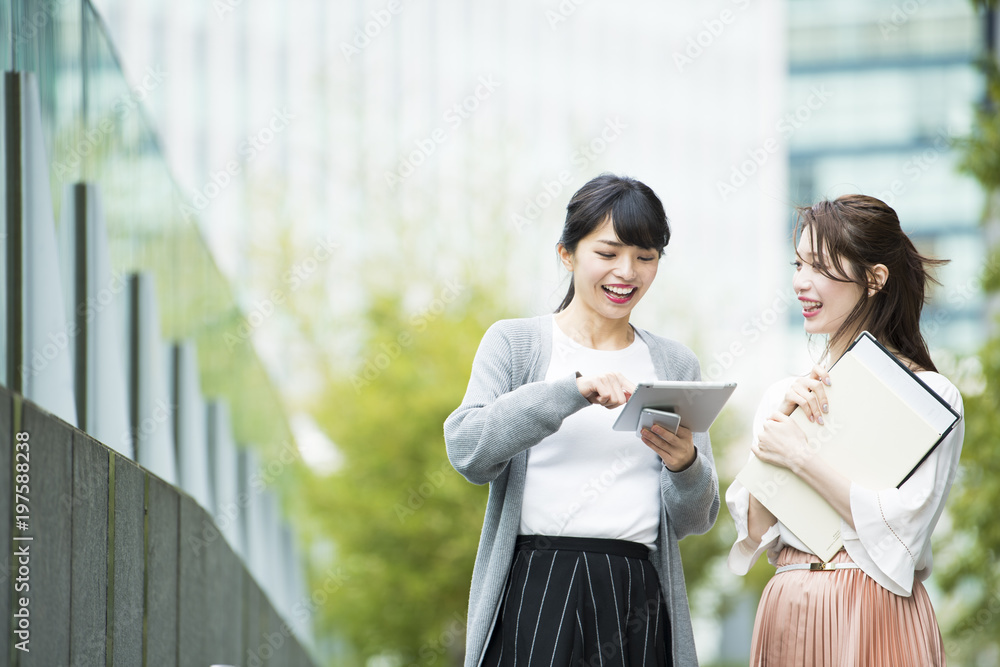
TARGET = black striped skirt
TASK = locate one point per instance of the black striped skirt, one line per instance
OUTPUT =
(580, 602)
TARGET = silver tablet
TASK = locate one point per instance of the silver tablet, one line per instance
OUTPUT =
(698, 403)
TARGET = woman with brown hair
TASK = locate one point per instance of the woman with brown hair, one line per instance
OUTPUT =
(855, 270)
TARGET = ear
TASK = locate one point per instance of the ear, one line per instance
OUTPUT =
(565, 256)
(877, 277)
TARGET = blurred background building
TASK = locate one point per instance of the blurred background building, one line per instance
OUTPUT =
(315, 152)
(117, 321)
(901, 89)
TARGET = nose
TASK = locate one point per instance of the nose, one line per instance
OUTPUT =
(800, 281)
(626, 268)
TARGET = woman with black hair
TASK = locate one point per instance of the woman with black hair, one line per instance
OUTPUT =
(578, 561)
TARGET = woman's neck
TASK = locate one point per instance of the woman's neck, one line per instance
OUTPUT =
(593, 330)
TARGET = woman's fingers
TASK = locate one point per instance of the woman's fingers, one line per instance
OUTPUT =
(810, 402)
(609, 390)
(821, 374)
(675, 450)
(821, 380)
(810, 395)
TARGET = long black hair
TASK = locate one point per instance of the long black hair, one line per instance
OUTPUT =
(636, 214)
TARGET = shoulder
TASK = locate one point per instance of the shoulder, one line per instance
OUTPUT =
(516, 331)
(513, 342)
(675, 351)
(944, 388)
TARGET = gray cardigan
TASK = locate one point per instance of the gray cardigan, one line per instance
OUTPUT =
(508, 408)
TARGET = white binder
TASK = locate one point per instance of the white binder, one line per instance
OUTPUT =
(883, 422)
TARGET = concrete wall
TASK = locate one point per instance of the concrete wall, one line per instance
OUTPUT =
(118, 562)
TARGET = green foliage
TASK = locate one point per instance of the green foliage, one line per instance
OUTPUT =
(971, 576)
(405, 524)
(980, 158)
(703, 555)
(700, 554)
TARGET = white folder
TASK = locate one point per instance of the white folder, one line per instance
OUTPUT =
(883, 422)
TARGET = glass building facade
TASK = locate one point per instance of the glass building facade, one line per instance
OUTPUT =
(229, 429)
(896, 86)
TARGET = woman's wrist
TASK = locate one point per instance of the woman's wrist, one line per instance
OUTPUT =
(684, 466)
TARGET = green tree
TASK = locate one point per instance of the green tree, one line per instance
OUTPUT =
(973, 576)
(404, 523)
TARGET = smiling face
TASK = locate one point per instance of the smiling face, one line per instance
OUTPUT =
(826, 302)
(609, 277)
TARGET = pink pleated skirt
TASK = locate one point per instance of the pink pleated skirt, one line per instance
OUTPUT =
(841, 618)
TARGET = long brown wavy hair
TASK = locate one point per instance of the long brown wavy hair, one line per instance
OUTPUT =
(850, 235)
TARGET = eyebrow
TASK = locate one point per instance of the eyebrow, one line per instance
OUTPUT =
(615, 244)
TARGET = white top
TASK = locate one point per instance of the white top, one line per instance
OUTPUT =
(892, 539)
(587, 480)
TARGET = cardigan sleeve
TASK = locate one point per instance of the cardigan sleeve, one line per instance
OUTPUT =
(499, 417)
(892, 536)
(691, 497)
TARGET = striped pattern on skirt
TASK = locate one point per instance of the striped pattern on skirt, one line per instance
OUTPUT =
(841, 618)
(580, 602)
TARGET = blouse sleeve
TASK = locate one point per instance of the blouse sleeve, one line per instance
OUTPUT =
(745, 551)
(892, 536)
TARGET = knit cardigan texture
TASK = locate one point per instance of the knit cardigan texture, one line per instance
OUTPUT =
(508, 408)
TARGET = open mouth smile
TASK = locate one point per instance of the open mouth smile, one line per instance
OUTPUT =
(810, 308)
(619, 293)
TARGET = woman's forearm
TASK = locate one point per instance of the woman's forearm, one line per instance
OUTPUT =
(759, 520)
(834, 487)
